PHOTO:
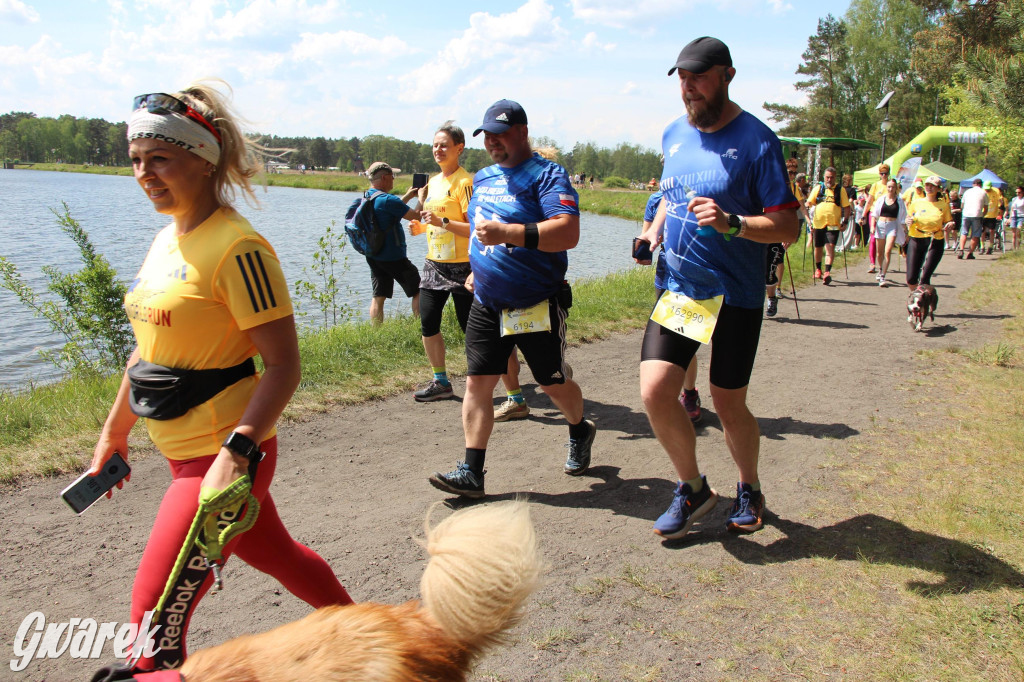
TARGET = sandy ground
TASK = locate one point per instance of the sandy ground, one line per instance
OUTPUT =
(353, 485)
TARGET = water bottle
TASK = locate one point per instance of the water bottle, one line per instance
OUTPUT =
(705, 231)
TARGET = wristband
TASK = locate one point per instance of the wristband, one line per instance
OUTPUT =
(531, 235)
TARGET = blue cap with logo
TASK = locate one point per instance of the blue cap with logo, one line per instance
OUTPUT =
(501, 116)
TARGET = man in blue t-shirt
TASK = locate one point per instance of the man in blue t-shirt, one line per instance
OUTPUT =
(726, 197)
(524, 217)
(391, 264)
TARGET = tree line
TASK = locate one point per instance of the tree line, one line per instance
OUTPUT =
(28, 138)
(949, 62)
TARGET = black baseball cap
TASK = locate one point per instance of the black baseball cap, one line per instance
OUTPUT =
(501, 116)
(701, 54)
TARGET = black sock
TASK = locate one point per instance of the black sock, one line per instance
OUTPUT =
(579, 431)
(475, 459)
(817, 265)
(828, 268)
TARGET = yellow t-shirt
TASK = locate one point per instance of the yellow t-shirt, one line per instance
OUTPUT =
(828, 213)
(190, 304)
(928, 217)
(879, 189)
(448, 198)
(995, 198)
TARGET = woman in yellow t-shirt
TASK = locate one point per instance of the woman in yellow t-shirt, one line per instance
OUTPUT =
(445, 202)
(927, 218)
(209, 296)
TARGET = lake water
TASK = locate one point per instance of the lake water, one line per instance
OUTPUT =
(121, 224)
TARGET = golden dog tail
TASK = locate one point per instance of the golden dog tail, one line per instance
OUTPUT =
(484, 563)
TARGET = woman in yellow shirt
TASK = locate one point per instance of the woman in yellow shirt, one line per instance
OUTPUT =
(209, 296)
(445, 201)
(927, 218)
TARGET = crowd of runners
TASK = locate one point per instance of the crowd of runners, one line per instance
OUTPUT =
(210, 295)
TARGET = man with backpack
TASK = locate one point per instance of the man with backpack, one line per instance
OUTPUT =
(831, 208)
(375, 230)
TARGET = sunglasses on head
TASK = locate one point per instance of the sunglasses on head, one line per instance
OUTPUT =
(162, 104)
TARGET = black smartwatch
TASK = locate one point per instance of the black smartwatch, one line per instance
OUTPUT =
(243, 446)
(444, 223)
(736, 223)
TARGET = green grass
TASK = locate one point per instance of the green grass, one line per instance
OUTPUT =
(944, 474)
(52, 428)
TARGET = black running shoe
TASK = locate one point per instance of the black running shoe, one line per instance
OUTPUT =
(463, 481)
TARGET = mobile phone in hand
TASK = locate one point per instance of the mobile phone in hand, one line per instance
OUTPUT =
(419, 180)
(642, 249)
(84, 492)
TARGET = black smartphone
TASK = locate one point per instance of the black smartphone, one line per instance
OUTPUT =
(419, 180)
(84, 492)
(642, 249)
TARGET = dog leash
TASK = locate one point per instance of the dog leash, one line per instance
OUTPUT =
(206, 535)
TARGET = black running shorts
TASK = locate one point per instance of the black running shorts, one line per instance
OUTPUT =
(821, 237)
(733, 346)
(487, 351)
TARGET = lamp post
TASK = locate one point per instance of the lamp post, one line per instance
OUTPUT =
(886, 125)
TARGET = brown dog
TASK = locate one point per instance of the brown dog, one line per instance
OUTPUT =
(484, 563)
(922, 303)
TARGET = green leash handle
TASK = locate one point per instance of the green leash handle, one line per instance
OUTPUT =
(204, 533)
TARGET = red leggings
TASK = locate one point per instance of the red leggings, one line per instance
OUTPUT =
(267, 547)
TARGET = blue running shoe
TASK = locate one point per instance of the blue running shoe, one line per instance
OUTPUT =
(747, 511)
(686, 508)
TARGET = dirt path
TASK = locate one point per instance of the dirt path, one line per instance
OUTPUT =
(352, 484)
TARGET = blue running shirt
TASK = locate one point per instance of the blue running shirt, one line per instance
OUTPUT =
(533, 191)
(741, 168)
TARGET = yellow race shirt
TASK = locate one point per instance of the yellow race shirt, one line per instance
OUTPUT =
(928, 217)
(448, 198)
(879, 189)
(995, 198)
(828, 212)
(190, 305)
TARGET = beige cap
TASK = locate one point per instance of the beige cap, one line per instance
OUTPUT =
(378, 167)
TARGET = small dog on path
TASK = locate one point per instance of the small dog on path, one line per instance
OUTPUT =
(922, 303)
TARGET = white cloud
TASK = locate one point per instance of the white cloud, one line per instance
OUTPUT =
(590, 41)
(17, 12)
(264, 17)
(635, 14)
(492, 45)
(325, 47)
(780, 6)
(629, 88)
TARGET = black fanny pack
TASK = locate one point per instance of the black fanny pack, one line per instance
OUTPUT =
(162, 393)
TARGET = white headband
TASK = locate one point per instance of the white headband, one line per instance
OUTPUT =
(175, 129)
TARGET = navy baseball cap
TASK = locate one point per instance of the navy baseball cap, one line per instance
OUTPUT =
(701, 54)
(501, 116)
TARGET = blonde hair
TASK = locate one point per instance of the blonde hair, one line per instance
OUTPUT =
(241, 158)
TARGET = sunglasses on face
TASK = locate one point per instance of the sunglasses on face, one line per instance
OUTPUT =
(162, 104)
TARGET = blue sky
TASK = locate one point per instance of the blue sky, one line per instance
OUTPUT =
(584, 70)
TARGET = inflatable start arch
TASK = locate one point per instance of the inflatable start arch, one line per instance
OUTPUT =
(929, 138)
